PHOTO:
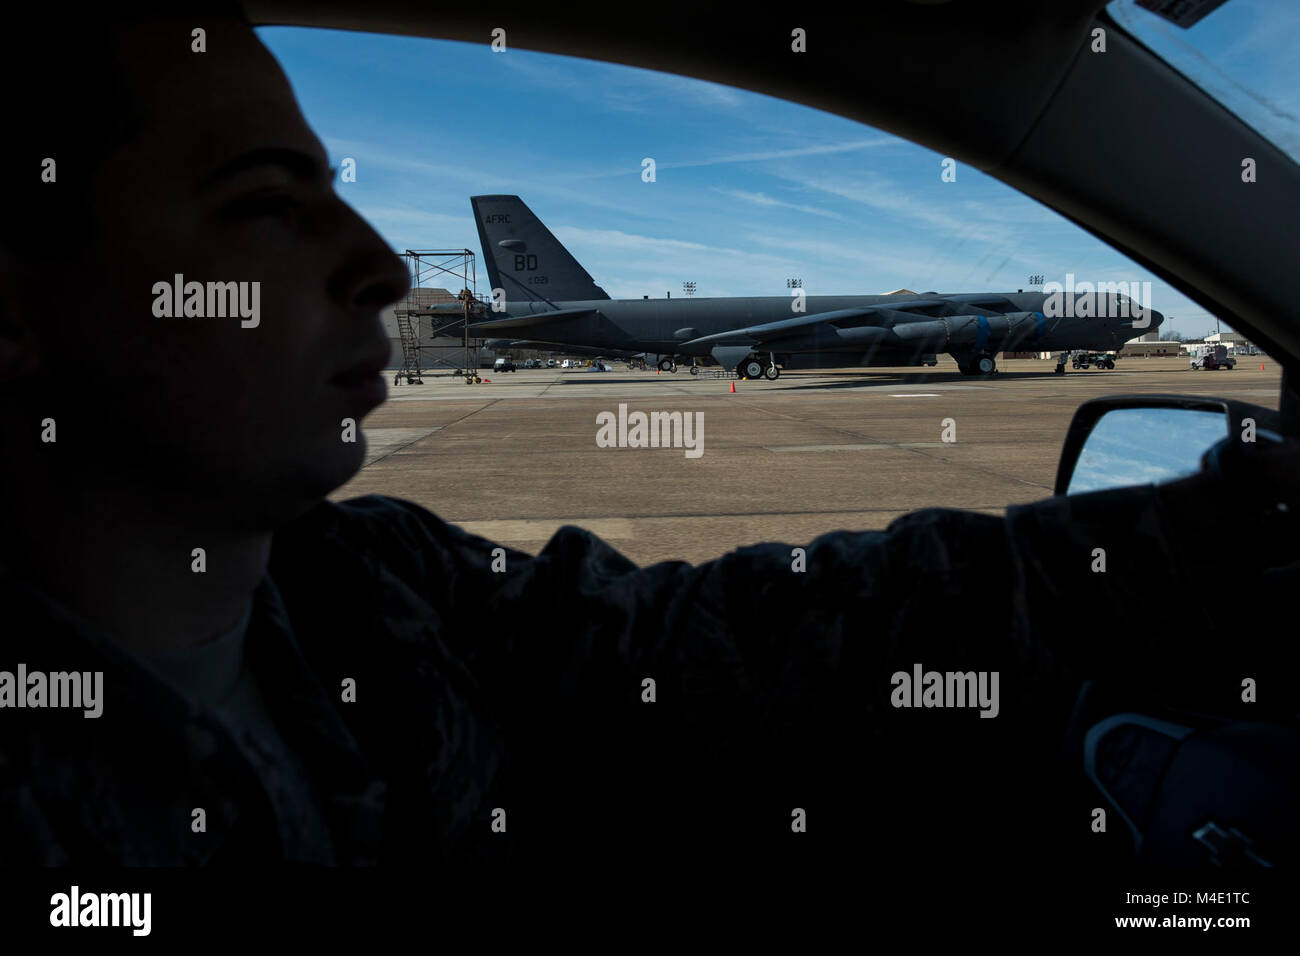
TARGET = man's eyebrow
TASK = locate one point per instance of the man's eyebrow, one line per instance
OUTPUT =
(299, 164)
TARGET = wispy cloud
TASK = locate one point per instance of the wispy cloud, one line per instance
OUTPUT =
(760, 156)
(551, 73)
(762, 199)
(650, 246)
(619, 87)
(936, 211)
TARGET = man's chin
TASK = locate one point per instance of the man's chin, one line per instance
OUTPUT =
(332, 468)
(304, 483)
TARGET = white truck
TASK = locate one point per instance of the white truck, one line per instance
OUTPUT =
(1213, 357)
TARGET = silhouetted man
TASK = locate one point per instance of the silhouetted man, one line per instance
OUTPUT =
(286, 679)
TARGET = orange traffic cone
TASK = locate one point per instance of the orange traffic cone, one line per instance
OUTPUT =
(658, 370)
(733, 386)
(1261, 366)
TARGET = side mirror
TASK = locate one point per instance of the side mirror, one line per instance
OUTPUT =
(1147, 439)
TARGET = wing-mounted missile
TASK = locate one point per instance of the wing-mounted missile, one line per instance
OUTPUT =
(842, 328)
(932, 333)
(875, 327)
(829, 338)
(979, 333)
(1023, 328)
(994, 333)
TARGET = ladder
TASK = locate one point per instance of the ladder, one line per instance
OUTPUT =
(408, 331)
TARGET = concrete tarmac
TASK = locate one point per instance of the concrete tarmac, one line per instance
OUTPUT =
(515, 458)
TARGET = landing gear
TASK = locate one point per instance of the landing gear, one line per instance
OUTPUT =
(980, 365)
(695, 370)
(756, 368)
(667, 365)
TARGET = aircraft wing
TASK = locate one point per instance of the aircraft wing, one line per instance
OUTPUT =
(905, 327)
(523, 322)
(802, 325)
(560, 349)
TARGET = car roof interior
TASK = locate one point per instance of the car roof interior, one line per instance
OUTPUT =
(1118, 142)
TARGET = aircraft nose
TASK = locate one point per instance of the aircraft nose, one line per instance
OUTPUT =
(1140, 325)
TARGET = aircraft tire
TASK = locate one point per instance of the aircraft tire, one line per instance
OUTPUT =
(771, 373)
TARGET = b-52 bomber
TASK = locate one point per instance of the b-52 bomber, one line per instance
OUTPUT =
(544, 297)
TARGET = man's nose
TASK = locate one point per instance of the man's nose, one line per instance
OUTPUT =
(372, 275)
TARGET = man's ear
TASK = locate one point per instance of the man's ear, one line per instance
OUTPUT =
(19, 350)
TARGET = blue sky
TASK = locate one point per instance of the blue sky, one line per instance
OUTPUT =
(750, 190)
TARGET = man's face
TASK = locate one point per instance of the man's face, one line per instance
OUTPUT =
(225, 183)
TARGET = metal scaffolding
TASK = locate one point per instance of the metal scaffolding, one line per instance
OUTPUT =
(435, 273)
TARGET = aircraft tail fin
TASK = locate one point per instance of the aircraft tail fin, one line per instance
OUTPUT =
(524, 258)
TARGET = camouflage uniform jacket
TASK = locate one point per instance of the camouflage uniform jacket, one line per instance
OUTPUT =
(515, 706)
